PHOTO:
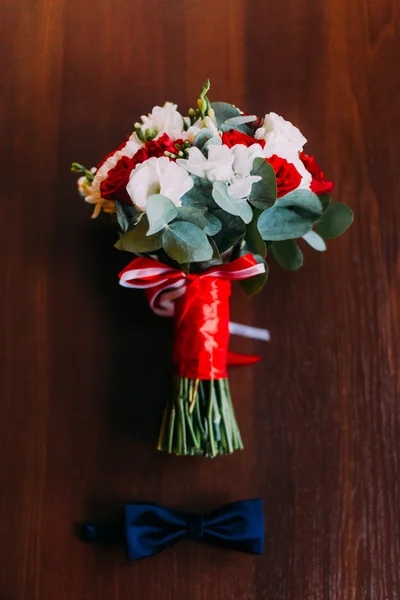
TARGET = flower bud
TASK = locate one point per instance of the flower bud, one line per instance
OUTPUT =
(211, 113)
(139, 132)
(150, 134)
(202, 104)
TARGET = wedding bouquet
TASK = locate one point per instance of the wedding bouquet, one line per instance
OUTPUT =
(200, 200)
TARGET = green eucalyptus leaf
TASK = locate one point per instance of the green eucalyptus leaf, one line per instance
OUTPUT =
(234, 206)
(278, 223)
(325, 200)
(241, 120)
(122, 218)
(246, 212)
(315, 241)
(214, 260)
(214, 225)
(304, 200)
(233, 229)
(254, 285)
(287, 254)
(336, 219)
(202, 137)
(214, 141)
(253, 237)
(126, 214)
(224, 111)
(192, 215)
(242, 128)
(160, 211)
(263, 193)
(185, 242)
(137, 241)
(200, 195)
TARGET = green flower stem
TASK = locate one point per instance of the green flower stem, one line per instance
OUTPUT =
(200, 420)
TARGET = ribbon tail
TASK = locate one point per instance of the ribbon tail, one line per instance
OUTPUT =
(236, 358)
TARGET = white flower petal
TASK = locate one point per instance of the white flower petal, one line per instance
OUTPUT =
(242, 187)
(164, 119)
(244, 157)
(277, 124)
(158, 176)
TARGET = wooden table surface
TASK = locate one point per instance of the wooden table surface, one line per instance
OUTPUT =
(85, 366)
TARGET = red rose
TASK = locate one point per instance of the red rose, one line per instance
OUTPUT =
(287, 176)
(232, 137)
(114, 186)
(319, 185)
(156, 148)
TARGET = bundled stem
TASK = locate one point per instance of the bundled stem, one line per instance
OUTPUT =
(200, 419)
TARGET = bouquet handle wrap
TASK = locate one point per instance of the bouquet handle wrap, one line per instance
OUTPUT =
(199, 419)
(201, 333)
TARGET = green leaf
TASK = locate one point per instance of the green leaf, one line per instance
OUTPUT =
(254, 285)
(224, 111)
(325, 200)
(192, 215)
(253, 237)
(336, 219)
(234, 206)
(202, 137)
(214, 260)
(263, 193)
(233, 229)
(214, 225)
(315, 241)
(127, 215)
(278, 223)
(160, 211)
(185, 242)
(287, 254)
(301, 199)
(241, 120)
(200, 196)
(137, 241)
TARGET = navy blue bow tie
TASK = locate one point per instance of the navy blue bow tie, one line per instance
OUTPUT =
(150, 528)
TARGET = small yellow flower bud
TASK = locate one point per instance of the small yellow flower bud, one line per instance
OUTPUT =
(202, 104)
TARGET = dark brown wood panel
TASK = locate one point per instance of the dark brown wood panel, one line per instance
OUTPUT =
(85, 366)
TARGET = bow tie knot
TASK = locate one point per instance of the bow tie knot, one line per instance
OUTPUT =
(195, 527)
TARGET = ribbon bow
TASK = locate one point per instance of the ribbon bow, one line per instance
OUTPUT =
(164, 284)
(150, 528)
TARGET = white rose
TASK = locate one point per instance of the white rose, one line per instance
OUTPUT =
(158, 176)
(275, 125)
(164, 119)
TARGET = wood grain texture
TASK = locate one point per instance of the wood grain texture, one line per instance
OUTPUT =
(80, 405)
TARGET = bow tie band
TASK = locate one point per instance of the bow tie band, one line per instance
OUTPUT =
(151, 528)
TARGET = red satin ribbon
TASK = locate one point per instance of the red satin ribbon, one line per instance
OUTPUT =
(200, 304)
